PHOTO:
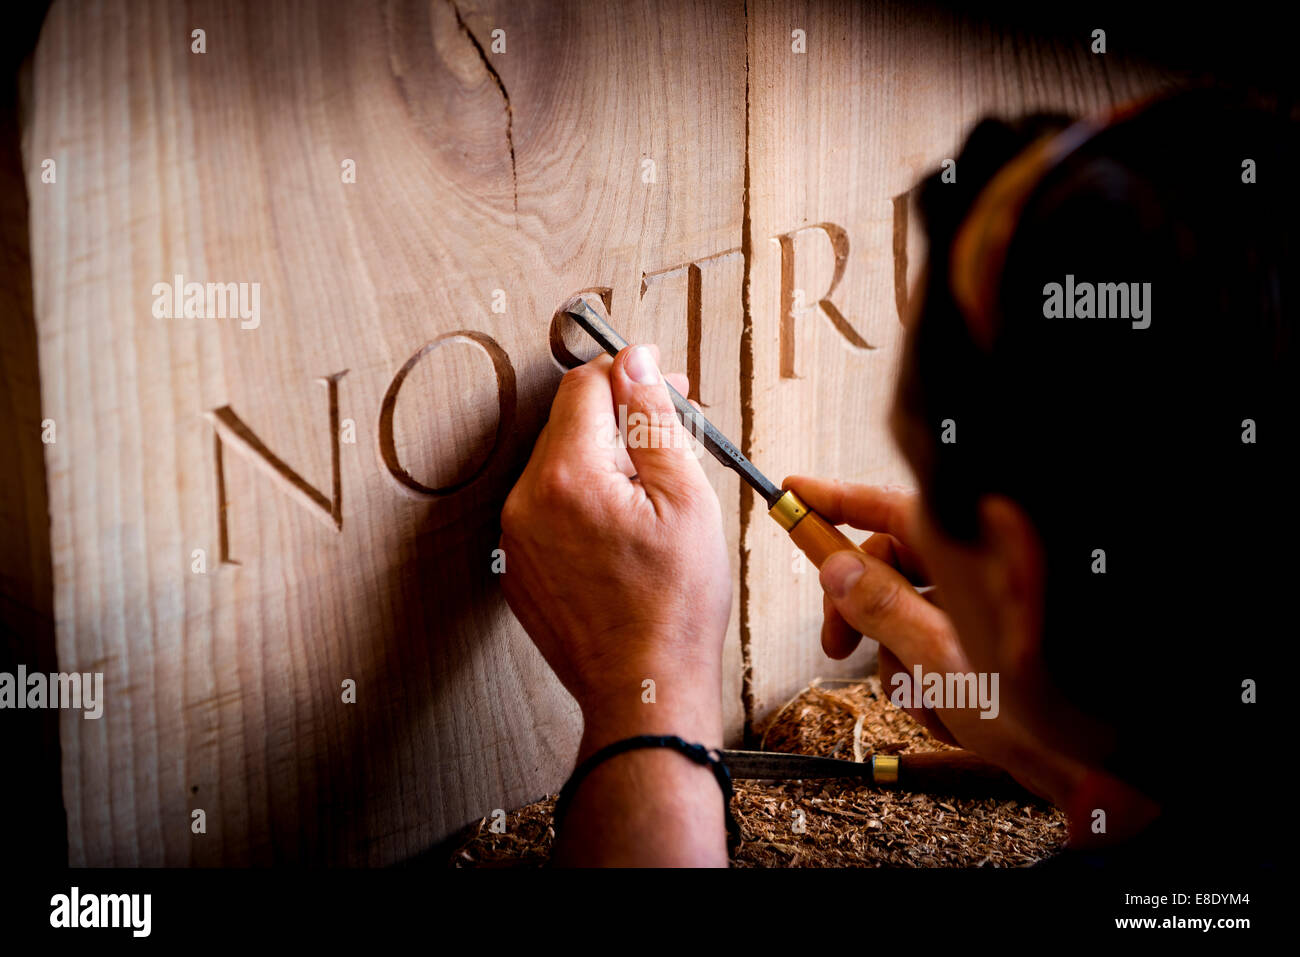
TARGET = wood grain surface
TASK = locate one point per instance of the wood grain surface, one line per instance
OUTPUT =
(838, 138)
(741, 204)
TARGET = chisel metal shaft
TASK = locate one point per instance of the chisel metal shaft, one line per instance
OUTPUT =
(700, 427)
(955, 772)
(816, 537)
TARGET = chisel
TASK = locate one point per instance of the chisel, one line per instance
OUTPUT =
(815, 536)
(956, 772)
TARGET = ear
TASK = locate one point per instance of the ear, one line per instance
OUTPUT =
(1016, 575)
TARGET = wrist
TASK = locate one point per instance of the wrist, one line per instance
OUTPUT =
(660, 701)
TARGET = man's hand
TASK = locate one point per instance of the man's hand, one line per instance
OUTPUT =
(877, 596)
(617, 568)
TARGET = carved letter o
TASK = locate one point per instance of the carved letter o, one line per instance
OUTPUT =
(505, 381)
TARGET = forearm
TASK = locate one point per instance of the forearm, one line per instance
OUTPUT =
(620, 572)
(652, 807)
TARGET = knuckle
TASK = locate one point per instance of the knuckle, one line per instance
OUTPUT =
(575, 374)
(512, 514)
(653, 428)
(660, 437)
(573, 379)
(839, 492)
(554, 486)
(694, 496)
(879, 598)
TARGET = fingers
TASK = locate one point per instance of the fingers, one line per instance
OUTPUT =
(893, 552)
(679, 382)
(657, 442)
(875, 600)
(888, 512)
(839, 638)
(870, 507)
(582, 413)
(583, 410)
(888, 666)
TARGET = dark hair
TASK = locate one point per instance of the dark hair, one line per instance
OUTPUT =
(1131, 440)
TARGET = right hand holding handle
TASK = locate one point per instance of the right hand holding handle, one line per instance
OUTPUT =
(869, 590)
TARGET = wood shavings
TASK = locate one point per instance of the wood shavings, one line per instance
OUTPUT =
(828, 823)
(527, 840)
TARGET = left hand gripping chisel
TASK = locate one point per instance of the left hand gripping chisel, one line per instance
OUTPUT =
(815, 536)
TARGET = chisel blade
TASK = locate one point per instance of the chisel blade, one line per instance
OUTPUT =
(696, 424)
(777, 766)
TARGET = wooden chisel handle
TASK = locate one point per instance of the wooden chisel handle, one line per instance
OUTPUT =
(962, 773)
(959, 773)
(819, 539)
(816, 537)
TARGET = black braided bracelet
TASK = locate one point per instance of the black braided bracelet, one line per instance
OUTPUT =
(696, 752)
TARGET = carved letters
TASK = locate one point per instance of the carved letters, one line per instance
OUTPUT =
(840, 245)
(505, 376)
(230, 430)
(694, 311)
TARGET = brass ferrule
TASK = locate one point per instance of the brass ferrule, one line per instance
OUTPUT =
(884, 768)
(788, 511)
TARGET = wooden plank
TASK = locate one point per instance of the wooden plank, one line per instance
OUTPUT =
(327, 560)
(743, 204)
(838, 136)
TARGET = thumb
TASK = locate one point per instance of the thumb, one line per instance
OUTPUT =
(657, 442)
(880, 603)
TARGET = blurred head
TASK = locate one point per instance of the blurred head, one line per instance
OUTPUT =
(1105, 500)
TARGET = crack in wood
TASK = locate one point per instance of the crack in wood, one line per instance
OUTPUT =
(746, 420)
(505, 96)
(901, 202)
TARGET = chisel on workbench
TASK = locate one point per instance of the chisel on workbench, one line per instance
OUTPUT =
(956, 772)
(815, 536)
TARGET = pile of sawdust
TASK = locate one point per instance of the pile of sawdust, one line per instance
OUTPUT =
(827, 823)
